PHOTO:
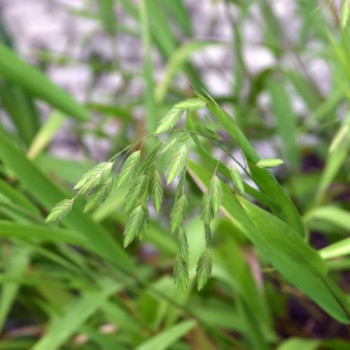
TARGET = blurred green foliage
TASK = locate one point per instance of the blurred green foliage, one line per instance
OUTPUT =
(279, 243)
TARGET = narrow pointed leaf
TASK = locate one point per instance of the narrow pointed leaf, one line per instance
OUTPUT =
(345, 13)
(269, 163)
(168, 337)
(31, 79)
(261, 176)
(336, 250)
(68, 321)
(277, 242)
(48, 194)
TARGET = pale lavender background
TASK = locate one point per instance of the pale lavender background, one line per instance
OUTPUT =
(47, 24)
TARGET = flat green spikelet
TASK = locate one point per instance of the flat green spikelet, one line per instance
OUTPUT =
(238, 184)
(192, 104)
(98, 195)
(137, 192)
(94, 177)
(178, 163)
(211, 200)
(215, 194)
(181, 273)
(183, 243)
(136, 224)
(206, 212)
(178, 212)
(169, 121)
(204, 267)
(60, 210)
(129, 169)
(156, 190)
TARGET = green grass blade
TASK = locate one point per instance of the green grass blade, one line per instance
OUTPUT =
(40, 233)
(48, 193)
(299, 343)
(176, 62)
(337, 155)
(286, 121)
(32, 80)
(17, 197)
(66, 324)
(168, 337)
(338, 217)
(18, 104)
(107, 15)
(336, 250)
(67, 170)
(178, 10)
(283, 247)
(306, 89)
(45, 134)
(21, 108)
(163, 35)
(262, 177)
(17, 264)
(232, 267)
(152, 119)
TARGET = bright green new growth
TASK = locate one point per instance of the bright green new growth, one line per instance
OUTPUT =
(345, 12)
(340, 137)
(269, 163)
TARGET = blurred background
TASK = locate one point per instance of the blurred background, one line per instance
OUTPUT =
(96, 53)
(279, 67)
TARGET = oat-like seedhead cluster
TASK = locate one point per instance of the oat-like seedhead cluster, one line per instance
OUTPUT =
(140, 177)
